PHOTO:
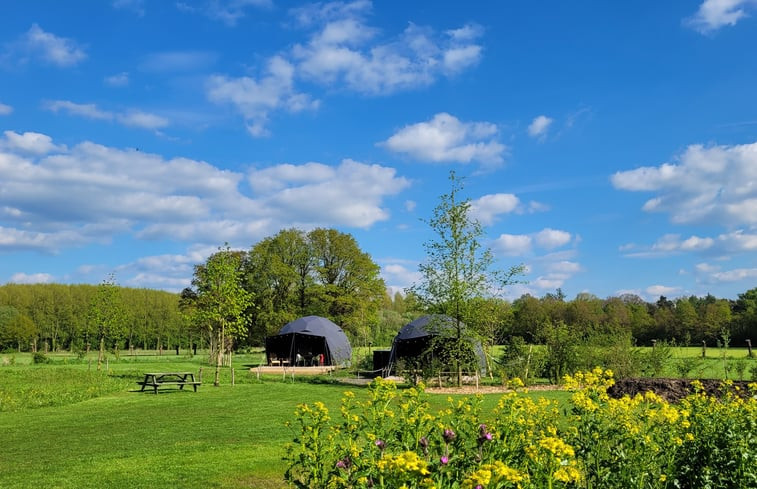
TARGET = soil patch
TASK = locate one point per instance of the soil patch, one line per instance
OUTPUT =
(673, 390)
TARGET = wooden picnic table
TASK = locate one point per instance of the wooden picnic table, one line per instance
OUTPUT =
(159, 379)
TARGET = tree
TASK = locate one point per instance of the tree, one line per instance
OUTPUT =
(221, 301)
(107, 315)
(457, 268)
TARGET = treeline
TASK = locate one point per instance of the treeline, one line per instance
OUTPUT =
(689, 320)
(64, 317)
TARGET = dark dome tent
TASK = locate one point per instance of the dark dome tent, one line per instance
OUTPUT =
(414, 340)
(309, 340)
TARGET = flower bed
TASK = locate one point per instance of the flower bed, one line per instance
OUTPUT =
(393, 440)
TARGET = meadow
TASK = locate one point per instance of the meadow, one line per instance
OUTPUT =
(67, 425)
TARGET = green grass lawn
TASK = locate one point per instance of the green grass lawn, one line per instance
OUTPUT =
(97, 431)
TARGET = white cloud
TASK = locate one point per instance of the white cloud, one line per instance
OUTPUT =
(732, 242)
(227, 11)
(255, 99)
(131, 117)
(28, 142)
(446, 139)
(344, 50)
(513, 244)
(539, 126)
(47, 47)
(552, 238)
(522, 244)
(399, 274)
(485, 209)
(349, 194)
(5, 109)
(118, 80)
(658, 290)
(33, 278)
(714, 14)
(712, 185)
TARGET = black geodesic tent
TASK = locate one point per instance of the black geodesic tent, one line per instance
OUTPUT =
(422, 340)
(304, 340)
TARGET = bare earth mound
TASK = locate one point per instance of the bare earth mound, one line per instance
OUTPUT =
(672, 390)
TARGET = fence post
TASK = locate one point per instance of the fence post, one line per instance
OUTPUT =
(749, 346)
(232, 377)
(704, 348)
(199, 375)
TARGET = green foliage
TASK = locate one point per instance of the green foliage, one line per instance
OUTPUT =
(457, 269)
(521, 360)
(394, 439)
(39, 358)
(656, 358)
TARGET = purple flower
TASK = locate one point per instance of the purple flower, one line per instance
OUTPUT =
(344, 463)
(483, 434)
(448, 435)
(479, 486)
(423, 442)
(380, 444)
(444, 460)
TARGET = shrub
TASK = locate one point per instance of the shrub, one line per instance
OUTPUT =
(38, 358)
(393, 440)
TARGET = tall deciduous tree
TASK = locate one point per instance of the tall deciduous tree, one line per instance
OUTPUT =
(457, 268)
(107, 315)
(221, 300)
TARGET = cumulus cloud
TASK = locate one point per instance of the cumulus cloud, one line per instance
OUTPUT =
(344, 49)
(55, 197)
(227, 11)
(446, 139)
(712, 185)
(28, 142)
(658, 290)
(485, 209)
(552, 238)
(399, 274)
(714, 14)
(33, 278)
(130, 117)
(349, 194)
(513, 244)
(256, 98)
(539, 126)
(522, 244)
(488, 208)
(39, 45)
(730, 243)
(5, 109)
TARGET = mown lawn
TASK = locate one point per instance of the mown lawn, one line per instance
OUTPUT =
(97, 431)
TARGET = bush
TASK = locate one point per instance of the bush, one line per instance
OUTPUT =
(392, 440)
(39, 358)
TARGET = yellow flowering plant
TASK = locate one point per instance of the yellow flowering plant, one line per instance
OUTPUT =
(390, 438)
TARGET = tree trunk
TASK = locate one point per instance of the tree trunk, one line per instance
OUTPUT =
(101, 352)
(219, 357)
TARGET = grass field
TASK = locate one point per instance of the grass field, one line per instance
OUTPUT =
(65, 425)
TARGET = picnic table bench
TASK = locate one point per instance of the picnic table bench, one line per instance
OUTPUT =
(158, 379)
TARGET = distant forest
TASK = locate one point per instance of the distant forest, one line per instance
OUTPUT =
(63, 317)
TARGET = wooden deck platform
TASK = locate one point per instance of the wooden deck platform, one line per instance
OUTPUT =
(277, 370)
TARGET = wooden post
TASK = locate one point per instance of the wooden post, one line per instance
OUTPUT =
(232, 377)
(199, 375)
(258, 372)
(704, 348)
(749, 347)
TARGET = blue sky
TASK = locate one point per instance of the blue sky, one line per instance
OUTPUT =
(611, 147)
